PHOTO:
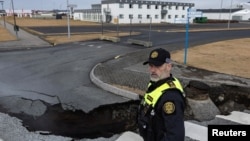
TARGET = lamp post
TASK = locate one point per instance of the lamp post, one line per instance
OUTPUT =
(3, 14)
(187, 35)
(229, 18)
(69, 11)
(68, 14)
(15, 26)
(220, 9)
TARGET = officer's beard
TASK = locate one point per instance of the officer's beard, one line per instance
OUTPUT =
(155, 78)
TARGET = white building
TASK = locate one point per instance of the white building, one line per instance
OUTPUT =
(135, 11)
(19, 13)
(239, 12)
(226, 14)
(93, 14)
(242, 15)
(218, 14)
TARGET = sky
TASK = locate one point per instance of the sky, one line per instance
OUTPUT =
(86, 4)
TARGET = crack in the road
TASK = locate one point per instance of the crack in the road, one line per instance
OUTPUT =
(44, 94)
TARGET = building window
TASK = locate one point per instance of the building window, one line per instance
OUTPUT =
(121, 16)
(183, 7)
(176, 7)
(130, 16)
(148, 6)
(148, 16)
(169, 7)
(121, 5)
(139, 16)
(156, 16)
(169, 16)
(140, 6)
(176, 16)
(156, 7)
(130, 6)
(183, 16)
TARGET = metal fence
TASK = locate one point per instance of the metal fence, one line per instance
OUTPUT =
(115, 27)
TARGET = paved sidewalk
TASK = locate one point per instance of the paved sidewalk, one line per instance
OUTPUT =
(128, 71)
(24, 40)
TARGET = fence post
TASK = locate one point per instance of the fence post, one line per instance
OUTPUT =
(117, 26)
(150, 24)
(102, 23)
(130, 28)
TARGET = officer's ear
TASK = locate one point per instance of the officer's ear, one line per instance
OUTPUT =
(168, 65)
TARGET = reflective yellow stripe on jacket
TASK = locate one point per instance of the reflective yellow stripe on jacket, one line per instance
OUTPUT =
(152, 98)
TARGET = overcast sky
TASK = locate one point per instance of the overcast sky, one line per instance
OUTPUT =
(86, 4)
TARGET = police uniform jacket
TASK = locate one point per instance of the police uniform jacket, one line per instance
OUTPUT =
(162, 119)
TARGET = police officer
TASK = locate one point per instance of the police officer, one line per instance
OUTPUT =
(161, 111)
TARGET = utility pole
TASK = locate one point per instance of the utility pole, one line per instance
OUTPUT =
(187, 35)
(16, 28)
(220, 9)
(229, 18)
(3, 14)
(68, 14)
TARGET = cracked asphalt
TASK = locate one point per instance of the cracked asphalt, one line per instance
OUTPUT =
(64, 74)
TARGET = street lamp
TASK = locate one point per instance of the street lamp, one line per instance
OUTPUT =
(68, 18)
(69, 12)
(15, 26)
(3, 13)
(220, 9)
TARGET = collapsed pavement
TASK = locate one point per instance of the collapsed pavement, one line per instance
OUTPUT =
(214, 93)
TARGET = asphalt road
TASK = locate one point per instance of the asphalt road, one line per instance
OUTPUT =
(162, 34)
(135, 27)
(61, 74)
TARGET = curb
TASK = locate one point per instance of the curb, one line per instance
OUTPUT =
(110, 88)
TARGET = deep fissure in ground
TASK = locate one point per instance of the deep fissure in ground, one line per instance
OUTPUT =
(104, 121)
(108, 120)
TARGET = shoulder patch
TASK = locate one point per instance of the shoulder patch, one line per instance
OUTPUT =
(169, 107)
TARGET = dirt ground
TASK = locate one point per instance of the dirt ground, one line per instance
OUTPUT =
(229, 57)
(30, 22)
(5, 35)
(25, 23)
